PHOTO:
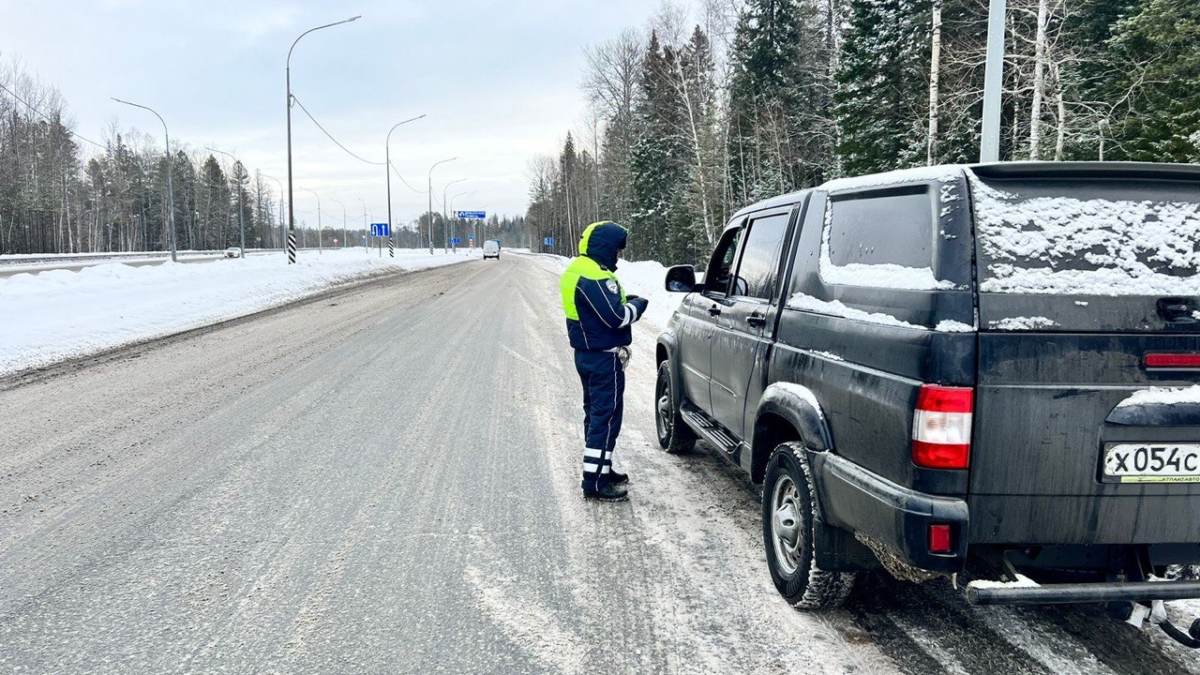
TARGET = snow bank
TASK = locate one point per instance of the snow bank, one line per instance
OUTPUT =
(61, 314)
(649, 279)
(646, 278)
(1163, 396)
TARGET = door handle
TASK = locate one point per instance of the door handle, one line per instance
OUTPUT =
(715, 310)
(757, 320)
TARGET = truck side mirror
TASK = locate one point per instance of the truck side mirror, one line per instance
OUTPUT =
(681, 279)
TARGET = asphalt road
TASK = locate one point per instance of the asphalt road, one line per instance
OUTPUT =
(386, 481)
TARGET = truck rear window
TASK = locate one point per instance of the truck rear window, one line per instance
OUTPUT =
(1077, 237)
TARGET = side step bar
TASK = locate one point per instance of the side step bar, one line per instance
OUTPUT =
(708, 430)
(1062, 594)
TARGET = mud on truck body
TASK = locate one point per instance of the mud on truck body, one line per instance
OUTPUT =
(953, 369)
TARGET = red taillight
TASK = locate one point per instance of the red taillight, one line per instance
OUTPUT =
(941, 437)
(939, 539)
(1172, 361)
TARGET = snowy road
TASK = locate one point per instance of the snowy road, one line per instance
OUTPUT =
(385, 480)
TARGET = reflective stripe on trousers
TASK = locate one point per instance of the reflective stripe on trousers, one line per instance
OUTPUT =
(603, 381)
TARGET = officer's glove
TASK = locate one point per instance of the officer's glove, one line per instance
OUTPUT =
(638, 302)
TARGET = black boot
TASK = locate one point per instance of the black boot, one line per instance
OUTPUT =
(617, 478)
(606, 492)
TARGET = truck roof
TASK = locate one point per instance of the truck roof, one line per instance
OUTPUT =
(996, 170)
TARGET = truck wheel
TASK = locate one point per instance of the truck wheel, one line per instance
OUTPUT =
(789, 526)
(674, 435)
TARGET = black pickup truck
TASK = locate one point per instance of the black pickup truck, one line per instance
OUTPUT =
(988, 364)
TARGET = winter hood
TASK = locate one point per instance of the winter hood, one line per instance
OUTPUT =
(601, 241)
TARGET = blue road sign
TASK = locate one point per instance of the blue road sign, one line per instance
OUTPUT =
(471, 215)
(548, 241)
(456, 241)
(380, 230)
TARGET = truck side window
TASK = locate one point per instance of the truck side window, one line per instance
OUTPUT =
(720, 270)
(760, 257)
(882, 227)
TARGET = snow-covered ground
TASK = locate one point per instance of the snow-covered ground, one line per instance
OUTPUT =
(646, 278)
(60, 314)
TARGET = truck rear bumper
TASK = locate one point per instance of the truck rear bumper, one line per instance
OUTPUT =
(1065, 519)
(858, 500)
(1062, 594)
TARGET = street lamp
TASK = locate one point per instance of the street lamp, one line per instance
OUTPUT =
(387, 161)
(475, 237)
(435, 165)
(241, 209)
(343, 220)
(320, 230)
(446, 216)
(170, 189)
(282, 212)
(291, 242)
(365, 229)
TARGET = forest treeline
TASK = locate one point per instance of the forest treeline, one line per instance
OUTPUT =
(61, 192)
(706, 110)
(65, 193)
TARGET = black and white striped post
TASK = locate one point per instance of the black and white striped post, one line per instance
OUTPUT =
(391, 247)
(291, 247)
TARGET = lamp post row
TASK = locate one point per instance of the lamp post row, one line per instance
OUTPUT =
(291, 214)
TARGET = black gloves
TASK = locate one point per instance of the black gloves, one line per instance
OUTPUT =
(639, 302)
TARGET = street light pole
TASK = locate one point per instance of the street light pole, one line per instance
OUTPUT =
(241, 208)
(170, 170)
(387, 161)
(344, 230)
(282, 232)
(446, 214)
(430, 229)
(291, 242)
(365, 230)
(320, 230)
(475, 238)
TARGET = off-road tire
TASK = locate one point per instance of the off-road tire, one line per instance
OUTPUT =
(674, 435)
(788, 489)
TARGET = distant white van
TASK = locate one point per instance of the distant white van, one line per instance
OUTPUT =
(491, 249)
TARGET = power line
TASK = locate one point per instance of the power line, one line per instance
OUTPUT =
(48, 118)
(350, 152)
(330, 136)
(397, 172)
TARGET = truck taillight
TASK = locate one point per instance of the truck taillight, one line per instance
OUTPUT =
(941, 437)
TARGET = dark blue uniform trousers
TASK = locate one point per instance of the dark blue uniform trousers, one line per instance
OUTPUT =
(603, 381)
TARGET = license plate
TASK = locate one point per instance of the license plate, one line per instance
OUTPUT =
(1152, 463)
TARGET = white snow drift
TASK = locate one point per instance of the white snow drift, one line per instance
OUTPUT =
(61, 314)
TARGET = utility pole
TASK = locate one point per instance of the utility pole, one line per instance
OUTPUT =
(365, 230)
(291, 241)
(170, 170)
(319, 230)
(993, 82)
(430, 192)
(446, 215)
(387, 160)
(241, 208)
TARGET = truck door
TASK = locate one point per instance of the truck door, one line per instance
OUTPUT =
(738, 345)
(699, 313)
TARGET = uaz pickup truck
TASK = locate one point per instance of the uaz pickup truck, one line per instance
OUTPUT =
(949, 365)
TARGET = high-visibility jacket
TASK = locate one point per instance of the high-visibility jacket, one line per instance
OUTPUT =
(598, 317)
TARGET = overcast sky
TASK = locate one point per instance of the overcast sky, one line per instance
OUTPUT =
(498, 79)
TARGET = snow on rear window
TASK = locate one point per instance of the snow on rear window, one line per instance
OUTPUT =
(1074, 238)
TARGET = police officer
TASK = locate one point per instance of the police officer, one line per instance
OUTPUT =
(599, 320)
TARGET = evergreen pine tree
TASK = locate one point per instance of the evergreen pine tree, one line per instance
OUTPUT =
(883, 85)
(1157, 90)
